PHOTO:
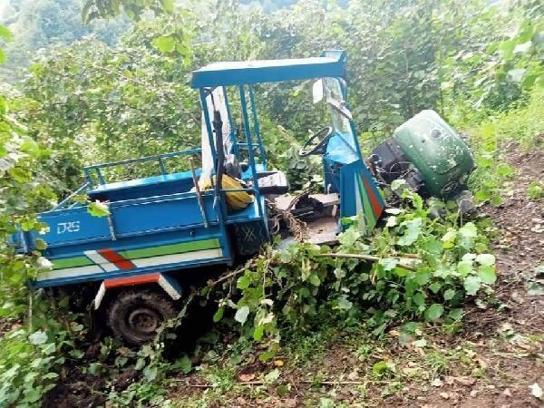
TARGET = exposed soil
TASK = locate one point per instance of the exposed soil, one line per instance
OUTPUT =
(76, 390)
(511, 342)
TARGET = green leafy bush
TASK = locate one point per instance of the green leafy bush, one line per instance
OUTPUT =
(423, 268)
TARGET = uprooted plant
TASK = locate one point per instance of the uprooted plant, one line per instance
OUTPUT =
(415, 267)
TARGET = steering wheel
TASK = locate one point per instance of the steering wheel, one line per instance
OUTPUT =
(317, 143)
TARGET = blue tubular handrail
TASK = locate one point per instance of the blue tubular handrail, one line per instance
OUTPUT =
(249, 142)
(256, 125)
(89, 170)
(79, 190)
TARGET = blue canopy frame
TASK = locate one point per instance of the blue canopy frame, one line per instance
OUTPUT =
(245, 74)
(330, 64)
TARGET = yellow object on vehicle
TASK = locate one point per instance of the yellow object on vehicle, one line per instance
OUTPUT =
(236, 200)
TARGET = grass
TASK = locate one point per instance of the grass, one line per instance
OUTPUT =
(524, 127)
(535, 190)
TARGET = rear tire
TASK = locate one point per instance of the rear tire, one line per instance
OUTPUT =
(135, 315)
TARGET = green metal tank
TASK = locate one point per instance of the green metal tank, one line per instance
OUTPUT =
(437, 151)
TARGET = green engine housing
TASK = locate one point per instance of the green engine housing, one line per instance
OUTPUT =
(436, 151)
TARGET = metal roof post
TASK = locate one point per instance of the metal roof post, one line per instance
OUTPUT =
(256, 126)
(249, 142)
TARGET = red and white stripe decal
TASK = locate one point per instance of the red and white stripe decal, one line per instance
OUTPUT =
(109, 260)
(116, 259)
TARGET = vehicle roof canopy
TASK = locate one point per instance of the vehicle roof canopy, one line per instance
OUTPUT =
(330, 64)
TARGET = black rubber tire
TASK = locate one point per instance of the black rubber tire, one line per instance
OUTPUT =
(135, 315)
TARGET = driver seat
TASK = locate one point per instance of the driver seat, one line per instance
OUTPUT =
(272, 182)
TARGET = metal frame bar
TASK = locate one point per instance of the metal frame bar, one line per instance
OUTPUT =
(88, 170)
(219, 205)
(67, 199)
(256, 126)
(247, 133)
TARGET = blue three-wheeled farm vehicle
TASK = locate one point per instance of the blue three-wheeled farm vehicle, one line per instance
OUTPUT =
(164, 228)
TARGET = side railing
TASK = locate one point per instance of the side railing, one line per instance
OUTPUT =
(95, 172)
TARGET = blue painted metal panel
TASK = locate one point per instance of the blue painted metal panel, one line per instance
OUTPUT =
(73, 226)
(252, 72)
(137, 241)
(147, 186)
(161, 214)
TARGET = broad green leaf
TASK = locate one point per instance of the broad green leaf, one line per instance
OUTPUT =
(411, 231)
(314, 279)
(98, 209)
(5, 34)
(150, 373)
(435, 287)
(516, 74)
(487, 274)
(507, 49)
(185, 364)
(218, 315)
(272, 376)
(168, 5)
(242, 314)
(448, 239)
(455, 314)
(40, 244)
(244, 281)
(29, 146)
(32, 395)
(382, 368)
(388, 264)
(418, 299)
(523, 48)
(344, 304)
(165, 44)
(449, 294)
(464, 268)
(391, 221)
(472, 284)
(467, 234)
(434, 312)
(258, 333)
(422, 277)
(349, 236)
(38, 337)
(485, 259)
(420, 343)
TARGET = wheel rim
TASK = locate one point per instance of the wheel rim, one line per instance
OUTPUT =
(144, 321)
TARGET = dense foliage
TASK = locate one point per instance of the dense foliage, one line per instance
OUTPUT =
(133, 99)
(38, 25)
(423, 268)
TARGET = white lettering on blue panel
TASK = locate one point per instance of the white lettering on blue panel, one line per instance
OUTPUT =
(70, 226)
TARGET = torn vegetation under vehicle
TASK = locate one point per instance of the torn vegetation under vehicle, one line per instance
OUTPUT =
(157, 230)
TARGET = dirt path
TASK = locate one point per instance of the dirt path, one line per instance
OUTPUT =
(510, 344)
